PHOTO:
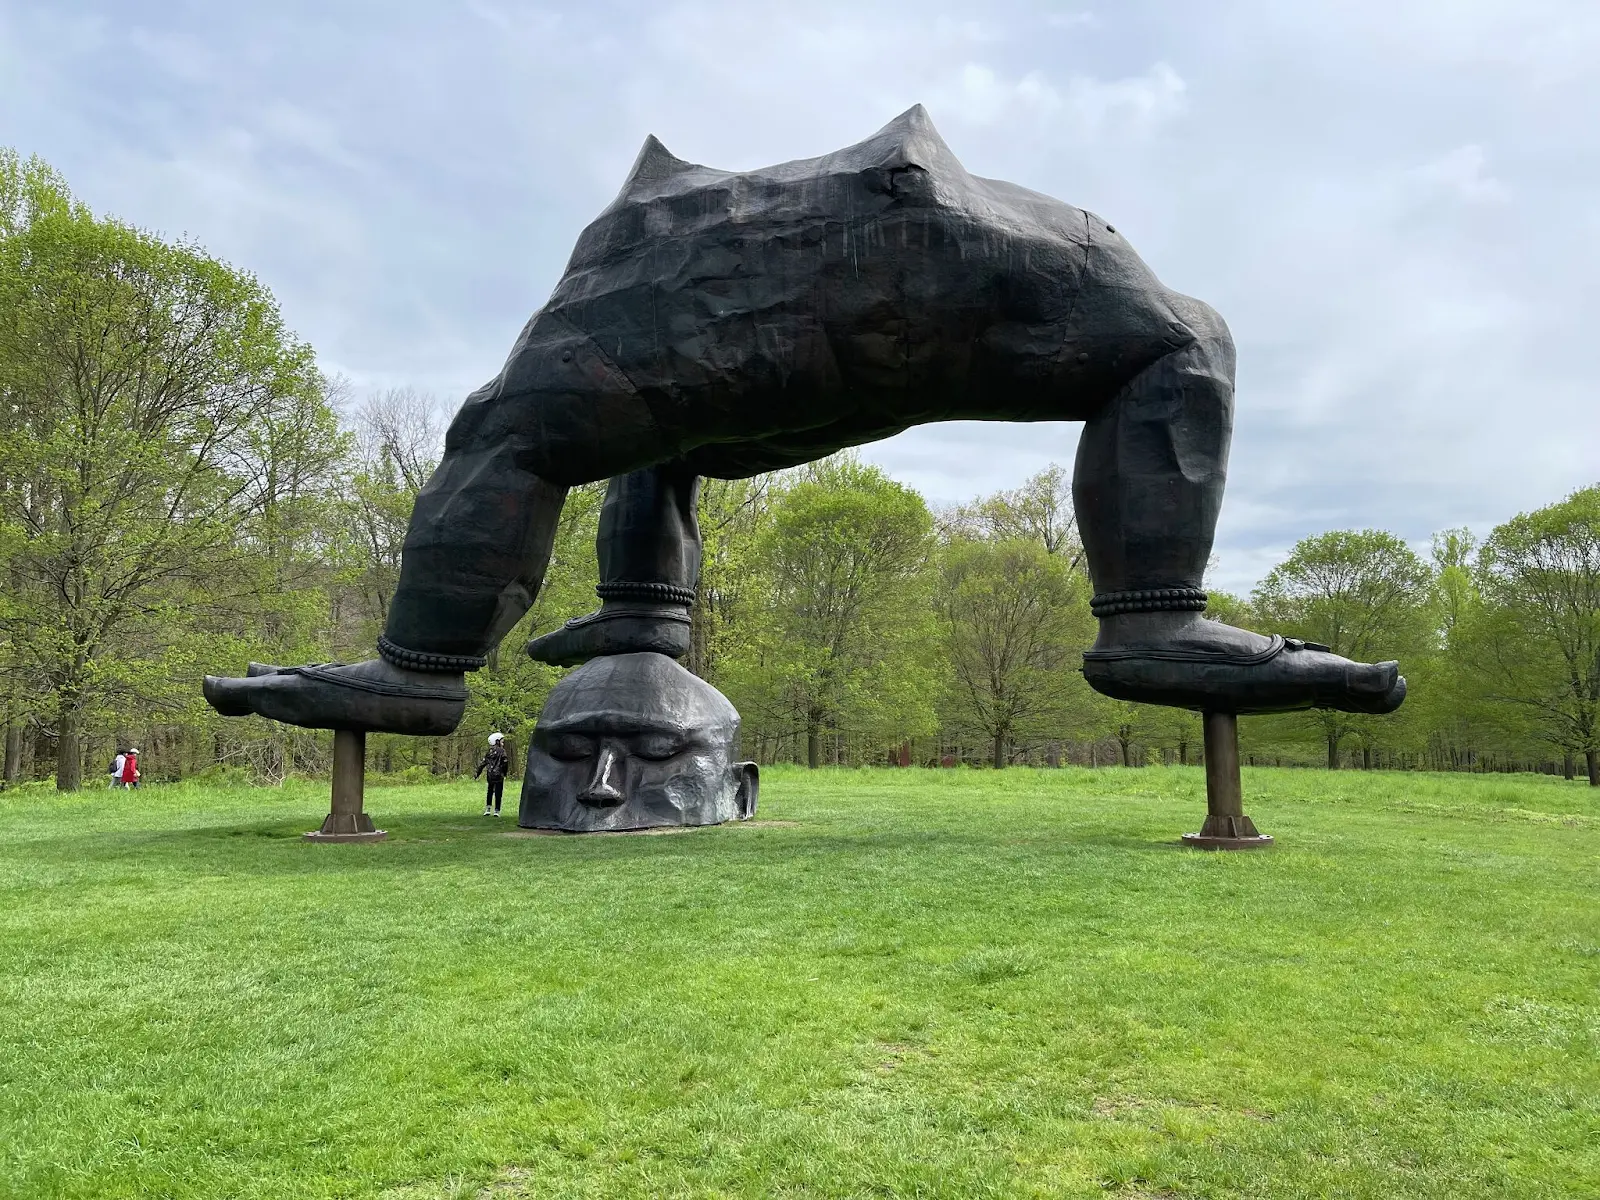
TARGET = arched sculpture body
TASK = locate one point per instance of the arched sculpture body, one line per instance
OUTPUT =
(725, 323)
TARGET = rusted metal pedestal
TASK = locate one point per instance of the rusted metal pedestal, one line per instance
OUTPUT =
(1226, 827)
(347, 822)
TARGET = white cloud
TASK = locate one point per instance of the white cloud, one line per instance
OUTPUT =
(1071, 20)
(1084, 109)
(1463, 173)
(1391, 204)
(179, 55)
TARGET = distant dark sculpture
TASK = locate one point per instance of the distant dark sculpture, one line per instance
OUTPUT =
(726, 323)
(634, 741)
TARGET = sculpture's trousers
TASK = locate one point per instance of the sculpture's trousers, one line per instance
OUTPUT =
(1148, 480)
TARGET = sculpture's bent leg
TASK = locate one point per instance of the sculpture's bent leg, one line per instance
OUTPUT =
(479, 541)
(648, 545)
(1148, 488)
(474, 555)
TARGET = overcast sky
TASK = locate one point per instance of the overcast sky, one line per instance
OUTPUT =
(1395, 205)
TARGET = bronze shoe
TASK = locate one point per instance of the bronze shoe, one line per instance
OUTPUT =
(615, 628)
(375, 696)
(1286, 675)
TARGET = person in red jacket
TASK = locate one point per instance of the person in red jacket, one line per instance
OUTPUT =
(130, 769)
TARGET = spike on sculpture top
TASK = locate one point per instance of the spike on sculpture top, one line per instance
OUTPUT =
(909, 142)
(724, 323)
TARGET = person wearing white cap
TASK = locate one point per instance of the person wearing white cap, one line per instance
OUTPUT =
(497, 762)
(130, 768)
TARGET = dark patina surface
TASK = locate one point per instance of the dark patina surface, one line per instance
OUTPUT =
(717, 323)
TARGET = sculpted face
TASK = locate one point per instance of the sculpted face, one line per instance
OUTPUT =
(635, 741)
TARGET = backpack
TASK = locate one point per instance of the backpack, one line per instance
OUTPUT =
(112, 767)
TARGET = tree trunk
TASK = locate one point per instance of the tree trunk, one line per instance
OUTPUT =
(1592, 757)
(13, 767)
(1127, 754)
(813, 747)
(999, 751)
(69, 754)
(1183, 754)
(1333, 753)
(1366, 758)
(1567, 769)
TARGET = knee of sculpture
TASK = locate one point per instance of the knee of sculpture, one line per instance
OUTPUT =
(635, 741)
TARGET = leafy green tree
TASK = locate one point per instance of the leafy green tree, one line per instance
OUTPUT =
(1014, 624)
(1535, 640)
(397, 440)
(1363, 593)
(133, 372)
(842, 643)
(1038, 511)
(733, 515)
(272, 599)
(1451, 709)
(1230, 609)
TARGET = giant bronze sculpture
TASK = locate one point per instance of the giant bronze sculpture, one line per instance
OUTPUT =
(716, 323)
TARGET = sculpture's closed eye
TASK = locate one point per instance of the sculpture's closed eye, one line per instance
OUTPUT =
(570, 747)
(656, 747)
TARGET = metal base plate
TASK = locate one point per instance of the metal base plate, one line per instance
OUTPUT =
(1201, 842)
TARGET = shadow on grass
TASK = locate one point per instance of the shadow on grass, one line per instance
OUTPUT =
(421, 840)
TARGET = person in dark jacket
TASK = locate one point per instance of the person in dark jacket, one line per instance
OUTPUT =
(497, 762)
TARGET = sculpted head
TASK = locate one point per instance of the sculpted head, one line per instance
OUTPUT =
(635, 741)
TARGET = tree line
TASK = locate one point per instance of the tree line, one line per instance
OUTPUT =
(182, 489)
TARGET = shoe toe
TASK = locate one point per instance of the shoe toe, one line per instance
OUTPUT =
(230, 697)
(1373, 688)
(1370, 679)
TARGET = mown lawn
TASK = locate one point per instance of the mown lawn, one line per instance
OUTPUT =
(905, 983)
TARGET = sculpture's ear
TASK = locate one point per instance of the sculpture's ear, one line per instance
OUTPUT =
(744, 801)
(905, 156)
(655, 163)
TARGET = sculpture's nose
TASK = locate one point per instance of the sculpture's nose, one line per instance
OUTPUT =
(602, 790)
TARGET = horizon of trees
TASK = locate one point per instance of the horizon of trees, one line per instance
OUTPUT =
(182, 490)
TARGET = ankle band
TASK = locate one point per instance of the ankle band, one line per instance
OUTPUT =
(1185, 599)
(659, 593)
(419, 660)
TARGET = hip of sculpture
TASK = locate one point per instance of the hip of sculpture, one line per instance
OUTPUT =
(715, 323)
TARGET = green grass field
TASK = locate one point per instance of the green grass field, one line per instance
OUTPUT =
(899, 983)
